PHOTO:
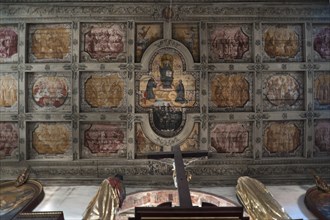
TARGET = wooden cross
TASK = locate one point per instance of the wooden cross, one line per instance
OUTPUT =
(182, 182)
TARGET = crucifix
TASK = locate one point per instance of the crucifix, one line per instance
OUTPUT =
(182, 182)
(185, 210)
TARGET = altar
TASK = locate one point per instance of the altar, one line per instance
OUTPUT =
(73, 199)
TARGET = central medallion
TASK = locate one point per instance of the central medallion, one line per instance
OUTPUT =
(167, 92)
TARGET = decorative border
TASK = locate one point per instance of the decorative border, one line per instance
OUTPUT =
(155, 11)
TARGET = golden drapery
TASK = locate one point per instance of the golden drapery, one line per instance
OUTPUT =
(258, 201)
(107, 201)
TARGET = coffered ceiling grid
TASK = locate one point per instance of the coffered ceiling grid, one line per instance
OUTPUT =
(255, 17)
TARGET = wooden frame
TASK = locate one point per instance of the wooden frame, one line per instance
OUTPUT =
(57, 215)
(201, 213)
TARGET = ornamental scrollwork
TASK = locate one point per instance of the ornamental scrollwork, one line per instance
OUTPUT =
(74, 67)
(167, 43)
(258, 67)
(258, 117)
(310, 115)
(167, 141)
(156, 11)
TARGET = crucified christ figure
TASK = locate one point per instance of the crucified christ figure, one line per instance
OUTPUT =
(179, 172)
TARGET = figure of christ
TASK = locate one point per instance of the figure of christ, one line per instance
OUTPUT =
(166, 71)
(107, 200)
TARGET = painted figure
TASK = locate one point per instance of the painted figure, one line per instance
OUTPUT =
(180, 93)
(166, 71)
(322, 43)
(7, 49)
(52, 42)
(8, 91)
(105, 42)
(143, 40)
(8, 43)
(228, 43)
(115, 43)
(190, 37)
(8, 138)
(167, 118)
(107, 201)
(242, 44)
(281, 42)
(149, 90)
(50, 91)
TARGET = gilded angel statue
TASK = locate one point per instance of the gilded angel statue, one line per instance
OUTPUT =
(107, 201)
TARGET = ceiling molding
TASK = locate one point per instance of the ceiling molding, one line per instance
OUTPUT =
(172, 1)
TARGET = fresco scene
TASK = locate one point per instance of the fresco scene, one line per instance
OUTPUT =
(282, 137)
(230, 91)
(51, 138)
(321, 44)
(191, 143)
(49, 43)
(8, 139)
(102, 91)
(322, 137)
(167, 84)
(282, 42)
(145, 35)
(188, 34)
(230, 137)
(144, 144)
(8, 92)
(49, 92)
(168, 90)
(8, 44)
(283, 91)
(228, 43)
(322, 91)
(104, 139)
(104, 42)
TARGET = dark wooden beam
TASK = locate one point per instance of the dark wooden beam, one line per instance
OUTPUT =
(161, 155)
(186, 213)
(181, 179)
